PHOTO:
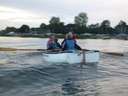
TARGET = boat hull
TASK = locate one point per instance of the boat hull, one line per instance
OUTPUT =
(75, 57)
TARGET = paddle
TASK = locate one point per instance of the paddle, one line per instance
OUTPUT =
(58, 50)
(111, 53)
(31, 50)
(114, 53)
(15, 49)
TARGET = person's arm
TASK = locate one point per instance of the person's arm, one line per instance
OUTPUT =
(78, 47)
(63, 45)
(62, 42)
(58, 44)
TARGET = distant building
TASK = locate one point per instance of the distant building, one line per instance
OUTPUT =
(36, 31)
(11, 33)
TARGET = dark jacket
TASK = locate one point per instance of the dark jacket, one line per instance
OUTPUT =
(51, 45)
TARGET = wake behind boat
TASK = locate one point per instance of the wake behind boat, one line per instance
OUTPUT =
(72, 57)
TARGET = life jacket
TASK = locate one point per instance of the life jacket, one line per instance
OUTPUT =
(74, 36)
(52, 45)
(70, 44)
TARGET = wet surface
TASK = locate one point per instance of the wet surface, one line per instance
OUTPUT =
(26, 74)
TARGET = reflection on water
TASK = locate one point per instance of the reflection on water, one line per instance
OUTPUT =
(26, 74)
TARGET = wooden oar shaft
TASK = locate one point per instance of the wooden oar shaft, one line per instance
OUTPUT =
(83, 50)
(15, 49)
(114, 53)
(111, 53)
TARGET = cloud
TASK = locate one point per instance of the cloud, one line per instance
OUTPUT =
(34, 12)
(16, 16)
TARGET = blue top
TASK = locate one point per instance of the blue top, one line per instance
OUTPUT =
(70, 44)
(55, 45)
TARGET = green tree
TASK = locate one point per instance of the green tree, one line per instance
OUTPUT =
(122, 27)
(94, 28)
(106, 28)
(24, 29)
(81, 23)
(106, 24)
(56, 26)
(81, 19)
(70, 28)
(54, 20)
(10, 29)
(43, 26)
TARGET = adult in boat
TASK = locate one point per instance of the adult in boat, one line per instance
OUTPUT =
(73, 34)
(69, 43)
(53, 43)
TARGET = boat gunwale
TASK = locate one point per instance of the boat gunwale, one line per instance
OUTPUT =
(77, 51)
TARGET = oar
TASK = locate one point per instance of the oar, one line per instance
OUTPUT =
(40, 50)
(15, 49)
(44, 50)
(83, 59)
(111, 53)
(114, 53)
(84, 55)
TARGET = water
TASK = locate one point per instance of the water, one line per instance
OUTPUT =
(26, 74)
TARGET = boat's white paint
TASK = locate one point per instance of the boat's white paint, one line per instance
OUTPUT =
(76, 57)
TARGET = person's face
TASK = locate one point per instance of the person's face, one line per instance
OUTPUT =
(53, 37)
(70, 36)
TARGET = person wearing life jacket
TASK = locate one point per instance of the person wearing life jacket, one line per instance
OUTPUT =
(69, 43)
(73, 34)
(53, 43)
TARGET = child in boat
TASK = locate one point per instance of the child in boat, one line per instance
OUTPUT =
(69, 43)
(53, 43)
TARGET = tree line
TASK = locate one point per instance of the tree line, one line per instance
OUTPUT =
(79, 26)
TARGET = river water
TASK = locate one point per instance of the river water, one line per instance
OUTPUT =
(26, 74)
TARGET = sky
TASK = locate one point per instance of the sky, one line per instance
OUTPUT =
(34, 12)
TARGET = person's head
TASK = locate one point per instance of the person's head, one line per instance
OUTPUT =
(56, 39)
(70, 35)
(52, 37)
(66, 36)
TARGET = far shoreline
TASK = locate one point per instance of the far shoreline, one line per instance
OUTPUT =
(89, 36)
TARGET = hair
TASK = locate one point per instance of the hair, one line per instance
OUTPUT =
(52, 35)
(69, 36)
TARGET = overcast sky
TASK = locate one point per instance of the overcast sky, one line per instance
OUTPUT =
(33, 12)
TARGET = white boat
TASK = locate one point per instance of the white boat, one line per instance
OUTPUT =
(71, 58)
